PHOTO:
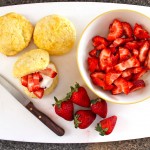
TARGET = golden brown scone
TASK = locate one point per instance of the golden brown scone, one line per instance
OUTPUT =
(55, 34)
(15, 33)
(30, 62)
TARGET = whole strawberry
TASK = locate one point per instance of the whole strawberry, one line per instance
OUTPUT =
(79, 96)
(99, 106)
(64, 109)
(106, 126)
(83, 118)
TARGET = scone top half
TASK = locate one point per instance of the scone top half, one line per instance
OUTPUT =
(36, 73)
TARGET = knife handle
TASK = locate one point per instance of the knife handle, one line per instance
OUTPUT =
(44, 119)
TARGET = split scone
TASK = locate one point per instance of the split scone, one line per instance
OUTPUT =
(36, 73)
(55, 34)
(15, 33)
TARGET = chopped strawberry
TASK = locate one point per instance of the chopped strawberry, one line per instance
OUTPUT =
(110, 77)
(36, 80)
(92, 53)
(127, 29)
(100, 47)
(140, 32)
(138, 84)
(135, 52)
(127, 73)
(108, 87)
(24, 80)
(129, 63)
(130, 84)
(137, 69)
(114, 59)
(92, 64)
(119, 41)
(124, 53)
(39, 93)
(103, 58)
(144, 51)
(30, 82)
(97, 40)
(122, 84)
(137, 76)
(115, 30)
(49, 72)
(116, 90)
(132, 45)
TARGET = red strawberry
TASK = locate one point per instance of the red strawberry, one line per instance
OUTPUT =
(135, 52)
(122, 84)
(99, 106)
(103, 58)
(140, 32)
(138, 84)
(79, 96)
(92, 64)
(119, 41)
(100, 47)
(93, 53)
(127, 73)
(129, 63)
(127, 29)
(64, 109)
(124, 53)
(137, 69)
(97, 40)
(115, 30)
(106, 126)
(132, 45)
(111, 77)
(24, 80)
(84, 118)
(39, 93)
(116, 90)
(49, 72)
(36, 79)
(144, 51)
(30, 82)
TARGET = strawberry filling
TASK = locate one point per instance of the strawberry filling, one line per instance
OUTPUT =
(37, 82)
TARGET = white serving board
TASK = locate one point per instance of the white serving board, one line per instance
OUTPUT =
(17, 124)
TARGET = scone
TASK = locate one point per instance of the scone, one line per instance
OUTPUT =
(55, 34)
(15, 33)
(36, 73)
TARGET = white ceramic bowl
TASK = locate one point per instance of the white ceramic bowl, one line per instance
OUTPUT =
(100, 26)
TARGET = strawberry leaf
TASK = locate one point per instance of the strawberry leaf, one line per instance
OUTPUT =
(76, 121)
(101, 131)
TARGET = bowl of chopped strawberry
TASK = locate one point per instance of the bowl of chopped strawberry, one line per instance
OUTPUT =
(114, 56)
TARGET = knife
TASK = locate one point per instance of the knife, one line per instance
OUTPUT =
(29, 105)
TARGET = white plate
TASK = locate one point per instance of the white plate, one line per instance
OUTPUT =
(17, 124)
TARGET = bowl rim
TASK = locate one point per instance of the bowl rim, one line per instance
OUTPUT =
(77, 53)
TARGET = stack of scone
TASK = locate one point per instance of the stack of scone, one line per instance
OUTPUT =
(53, 35)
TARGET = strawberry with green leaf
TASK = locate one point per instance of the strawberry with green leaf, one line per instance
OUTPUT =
(106, 126)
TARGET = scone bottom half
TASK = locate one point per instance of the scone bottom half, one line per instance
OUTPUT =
(36, 73)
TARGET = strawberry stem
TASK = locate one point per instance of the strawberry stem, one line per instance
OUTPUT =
(94, 101)
(57, 102)
(101, 131)
(76, 121)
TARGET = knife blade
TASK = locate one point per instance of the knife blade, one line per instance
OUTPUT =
(29, 105)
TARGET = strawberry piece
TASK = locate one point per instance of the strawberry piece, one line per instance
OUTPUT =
(93, 52)
(111, 77)
(138, 84)
(147, 61)
(108, 87)
(79, 96)
(84, 118)
(140, 32)
(24, 80)
(129, 63)
(115, 30)
(130, 84)
(49, 72)
(39, 93)
(106, 126)
(116, 90)
(137, 76)
(92, 64)
(64, 109)
(99, 106)
(119, 41)
(137, 70)
(132, 45)
(100, 47)
(124, 53)
(97, 40)
(127, 73)
(103, 58)
(30, 82)
(135, 52)
(98, 78)
(127, 29)
(143, 51)
(36, 79)
(122, 84)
